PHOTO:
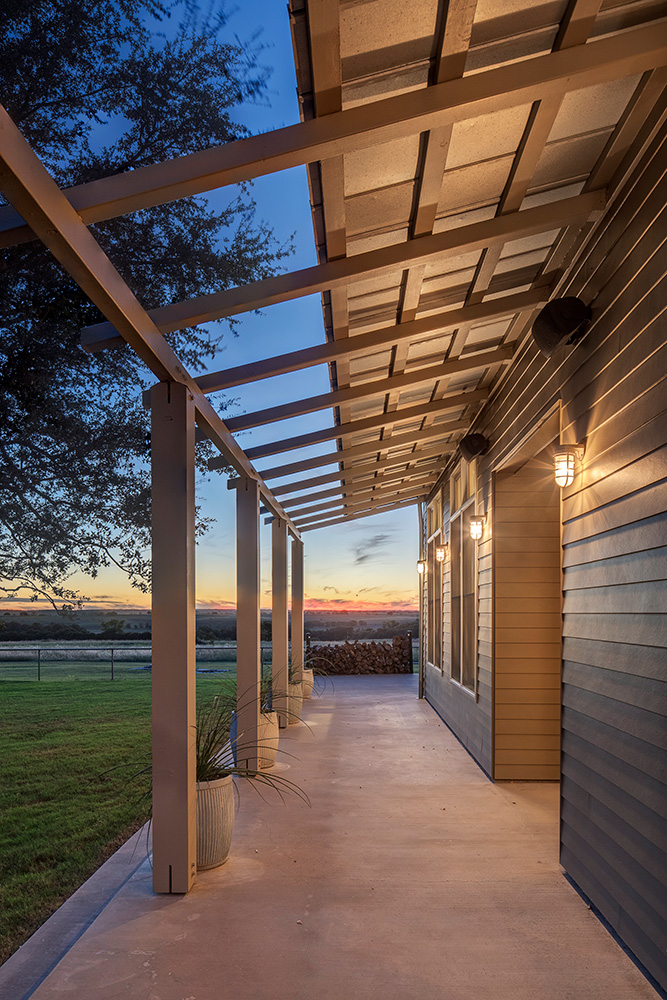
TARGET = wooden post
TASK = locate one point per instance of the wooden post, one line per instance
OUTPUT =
(247, 621)
(279, 619)
(173, 642)
(297, 609)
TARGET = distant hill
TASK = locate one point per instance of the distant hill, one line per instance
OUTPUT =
(212, 624)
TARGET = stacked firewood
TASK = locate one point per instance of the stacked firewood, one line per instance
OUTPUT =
(363, 657)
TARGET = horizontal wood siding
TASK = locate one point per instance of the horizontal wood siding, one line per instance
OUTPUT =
(468, 717)
(613, 393)
(526, 538)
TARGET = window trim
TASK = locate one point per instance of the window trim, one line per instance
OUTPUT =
(437, 506)
(473, 691)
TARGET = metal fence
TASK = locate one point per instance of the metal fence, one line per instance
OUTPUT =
(56, 661)
(67, 660)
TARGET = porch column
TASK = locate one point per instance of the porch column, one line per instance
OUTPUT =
(173, 637)
(247, 621)
(279, 619)
(297, 608)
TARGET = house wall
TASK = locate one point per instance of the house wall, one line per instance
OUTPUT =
(468, 715)
(527, 636)
(613, 394)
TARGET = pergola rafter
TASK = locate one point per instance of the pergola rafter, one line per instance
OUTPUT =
(454, 402)
(377, 488)
(339, 273)
(634, 51)
(365, 469)
(355, 515)
(362, 484)
(370, 390)
(281, 364)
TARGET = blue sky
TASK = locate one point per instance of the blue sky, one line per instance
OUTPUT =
(370, 560)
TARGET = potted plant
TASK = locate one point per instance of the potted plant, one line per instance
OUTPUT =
(216, 768)
(268, 733)
(295, 697)
(308, 680)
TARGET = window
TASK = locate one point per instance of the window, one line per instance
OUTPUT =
(463, 584)
(434, 585)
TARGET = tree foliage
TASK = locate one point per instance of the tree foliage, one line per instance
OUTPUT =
(100, 87)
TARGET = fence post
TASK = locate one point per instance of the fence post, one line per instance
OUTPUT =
(112, 663)
(409, 652)
(39, 664)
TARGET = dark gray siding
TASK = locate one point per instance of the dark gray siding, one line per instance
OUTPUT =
(614, 794)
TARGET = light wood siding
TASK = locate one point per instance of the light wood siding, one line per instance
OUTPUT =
(614, 531)
(469, 717)
(526, 539)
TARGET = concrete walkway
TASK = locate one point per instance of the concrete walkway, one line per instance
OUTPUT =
(412, 876)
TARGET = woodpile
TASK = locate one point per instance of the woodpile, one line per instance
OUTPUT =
(363, 657)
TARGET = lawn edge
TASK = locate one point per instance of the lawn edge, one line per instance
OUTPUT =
(27, 968)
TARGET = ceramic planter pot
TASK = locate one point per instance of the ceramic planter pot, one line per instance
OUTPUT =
(295, 701)
(268, 737)
(215, 821)
(308, 681)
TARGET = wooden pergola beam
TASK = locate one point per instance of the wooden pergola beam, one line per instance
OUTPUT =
(28, 186)
(377, 488)
(361, 484)
(365, 343)
(368, 390)
(395, 496)
(354, 472)
(461, 399)
(367, 448)
(370, 124)
(339, 273)
(366, 513)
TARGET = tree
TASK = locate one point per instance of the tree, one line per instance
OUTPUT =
(99, 87)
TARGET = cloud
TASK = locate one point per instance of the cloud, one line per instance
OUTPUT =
(335, 589)
(372, 548)
(215, 604)
(347, 604)
(367, 590)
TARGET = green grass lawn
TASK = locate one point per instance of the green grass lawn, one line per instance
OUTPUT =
(61, 815)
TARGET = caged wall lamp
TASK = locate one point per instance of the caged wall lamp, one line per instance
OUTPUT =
(440, 553)
(565, 458)
(477, 523)
(421, 567)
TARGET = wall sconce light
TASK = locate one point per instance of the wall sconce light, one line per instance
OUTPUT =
(477, 526)
(421, 567)
(440, 553)
(565, 457)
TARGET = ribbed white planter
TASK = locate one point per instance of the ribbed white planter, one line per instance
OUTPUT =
(308, 681)
(268, 736)
(215, 821)
(295, 703)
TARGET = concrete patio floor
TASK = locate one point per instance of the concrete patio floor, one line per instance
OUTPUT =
(412, 876)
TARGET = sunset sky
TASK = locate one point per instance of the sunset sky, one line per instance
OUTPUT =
(369, 563)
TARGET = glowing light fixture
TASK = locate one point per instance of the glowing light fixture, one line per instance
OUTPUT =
(440, 553)
(477, 523)
(421, 567)
(565, 458)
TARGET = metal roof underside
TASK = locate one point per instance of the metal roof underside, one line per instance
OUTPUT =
(508, 160)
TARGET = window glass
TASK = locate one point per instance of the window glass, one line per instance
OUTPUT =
(463, 592)
(455, 591)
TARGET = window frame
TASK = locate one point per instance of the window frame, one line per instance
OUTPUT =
(434, 583)
(463, 504)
